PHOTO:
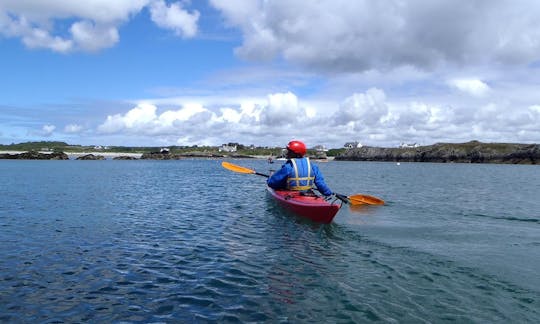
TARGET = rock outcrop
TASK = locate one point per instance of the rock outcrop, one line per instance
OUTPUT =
(91, 157)
(471, 152)
(160, 156)
(171, 156)
(34, 155)
(125, 157)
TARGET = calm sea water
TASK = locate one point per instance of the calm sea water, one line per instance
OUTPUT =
(188, 241)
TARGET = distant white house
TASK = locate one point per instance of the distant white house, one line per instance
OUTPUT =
(227, 148)
(320, 148)
(164, 150)
(408, 145)
(351, 145)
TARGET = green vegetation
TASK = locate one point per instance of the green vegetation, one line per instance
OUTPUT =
(335, 152)
(35, 146)
(52, 146)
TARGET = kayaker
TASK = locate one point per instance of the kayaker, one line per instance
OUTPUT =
(298, 173)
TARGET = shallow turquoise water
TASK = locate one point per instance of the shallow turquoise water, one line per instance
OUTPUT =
(187, 241)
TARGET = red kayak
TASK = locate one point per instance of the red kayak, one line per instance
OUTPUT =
(307, 205)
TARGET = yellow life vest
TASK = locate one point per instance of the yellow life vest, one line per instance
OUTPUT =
(300, 183)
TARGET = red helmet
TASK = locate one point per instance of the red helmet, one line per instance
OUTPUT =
(297, 147)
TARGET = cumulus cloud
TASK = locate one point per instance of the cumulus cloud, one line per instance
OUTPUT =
(193, 121)
(473, 87)
(41, 24)
(47, 130)
(91, 37)
(174, 17)
(73, 128)
(373, 117)
(137, 119)
(362, 109)
(343, 35)
(282, 109)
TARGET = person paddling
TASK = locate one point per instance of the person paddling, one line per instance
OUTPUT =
(298, 173)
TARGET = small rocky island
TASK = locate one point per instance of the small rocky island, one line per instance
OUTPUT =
(470, 152)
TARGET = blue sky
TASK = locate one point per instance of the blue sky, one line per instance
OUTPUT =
(158, 73)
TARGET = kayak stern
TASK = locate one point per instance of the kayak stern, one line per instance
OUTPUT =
(309, 206)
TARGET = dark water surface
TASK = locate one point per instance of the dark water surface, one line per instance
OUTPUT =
(187, 241)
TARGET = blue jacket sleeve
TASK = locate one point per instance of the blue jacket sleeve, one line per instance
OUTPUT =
(278, 180)
(319, 181)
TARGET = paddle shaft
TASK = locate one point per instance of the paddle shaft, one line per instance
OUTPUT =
(262, 174)
(240, 169)
(357, 199)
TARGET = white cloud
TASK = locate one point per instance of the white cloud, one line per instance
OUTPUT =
(95, 22)
(535, 111)
(47, 130)
(174, 17)
(282, 109)
(473, 87)
(373, 117)
(245, 120)
(91, 37)
(392, 70)
(73, 128)
(136, 119)
(343, 35)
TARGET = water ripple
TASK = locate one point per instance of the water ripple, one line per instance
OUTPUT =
(183, 241)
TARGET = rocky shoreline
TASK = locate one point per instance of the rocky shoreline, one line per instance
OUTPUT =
(470, 152)
(34, 155)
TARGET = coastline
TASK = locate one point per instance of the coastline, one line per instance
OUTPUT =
(112, 155)
(73, 156)
(107, 155)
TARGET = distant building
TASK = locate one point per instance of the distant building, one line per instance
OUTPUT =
(320, 152)
(227, 148)
(351, 145)
(164, 150)
(320, 148)
(407, 145)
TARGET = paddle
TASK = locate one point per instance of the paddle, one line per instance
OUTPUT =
(357, 199)
(240, 169)
(366, 199)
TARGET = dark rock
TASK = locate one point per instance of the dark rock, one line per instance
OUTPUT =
(34, 155)
(91, 157)
(471, 152)
(170, 156)
(123, 157)
(160, 156)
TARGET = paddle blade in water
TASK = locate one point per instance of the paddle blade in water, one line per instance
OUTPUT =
(365, 199)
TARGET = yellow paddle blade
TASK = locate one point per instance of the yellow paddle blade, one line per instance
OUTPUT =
(359, 199)
(236, 168)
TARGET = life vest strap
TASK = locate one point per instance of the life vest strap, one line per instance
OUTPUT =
(293, 183)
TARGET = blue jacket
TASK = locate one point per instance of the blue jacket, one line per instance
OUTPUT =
(286, 177)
